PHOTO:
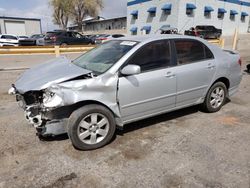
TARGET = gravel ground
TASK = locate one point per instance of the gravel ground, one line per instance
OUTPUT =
(186, 148)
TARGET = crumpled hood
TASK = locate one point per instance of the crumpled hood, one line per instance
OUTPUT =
(44, 75)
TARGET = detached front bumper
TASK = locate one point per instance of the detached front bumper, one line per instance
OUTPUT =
(41, 118)
(44, 126)
(53, 128)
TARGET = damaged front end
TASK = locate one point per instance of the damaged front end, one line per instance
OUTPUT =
(48, 121)
(49, 100)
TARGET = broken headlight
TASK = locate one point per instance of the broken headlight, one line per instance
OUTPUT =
(51, 100)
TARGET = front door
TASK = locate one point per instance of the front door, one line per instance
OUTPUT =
(154, 89)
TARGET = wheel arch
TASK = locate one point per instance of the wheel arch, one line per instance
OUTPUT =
(115, 110)
(223, 80)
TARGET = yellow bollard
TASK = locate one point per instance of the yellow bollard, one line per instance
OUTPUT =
(222, 43)
(235, 39)
(57, 51)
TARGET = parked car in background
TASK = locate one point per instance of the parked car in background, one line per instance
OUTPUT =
(94, 37)
(8, 40)
(22, 37)
(37, 39)
(64, 38)
(106, 37)
(123, 81)
(169, 30)
(204, 31)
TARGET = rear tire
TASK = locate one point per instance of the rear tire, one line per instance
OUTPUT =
(215, 98)
(91, 127)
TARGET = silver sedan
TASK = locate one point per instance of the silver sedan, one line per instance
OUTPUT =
(122, 81)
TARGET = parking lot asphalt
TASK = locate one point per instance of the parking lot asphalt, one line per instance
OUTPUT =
(186, 148)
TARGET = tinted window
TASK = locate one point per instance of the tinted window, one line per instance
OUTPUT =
(189, 51)
(117, 36)
(153, 56)
(9, 37)
(78, 35)
(51, 34)
(37, 36)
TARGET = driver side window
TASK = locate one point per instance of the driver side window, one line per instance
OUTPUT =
(78, 35)
(152, 56)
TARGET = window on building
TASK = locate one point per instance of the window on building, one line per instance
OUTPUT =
(152, 11)
(190, 51)
(167, 9)
(190, 12)
(134, 30)
(233, 14)
(155, 55)
(232, 17)
(207, 11)
(221, 13)
(190, 9)
(207, 14)
(243, 16)
(134, 14)
(146, 30)
(134, 33)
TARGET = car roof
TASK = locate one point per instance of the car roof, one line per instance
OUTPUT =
(154, 37)
(8, 35)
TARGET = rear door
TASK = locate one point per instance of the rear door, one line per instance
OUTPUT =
(154, 89)
(195, 72)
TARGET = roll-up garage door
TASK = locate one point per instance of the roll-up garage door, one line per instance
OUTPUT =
(15, 28)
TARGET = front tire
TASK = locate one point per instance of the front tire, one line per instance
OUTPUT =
(215, 98)
(91, 127)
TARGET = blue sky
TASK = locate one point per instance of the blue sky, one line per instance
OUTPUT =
(41, 9)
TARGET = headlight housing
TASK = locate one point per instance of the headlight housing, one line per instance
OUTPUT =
(51, 100)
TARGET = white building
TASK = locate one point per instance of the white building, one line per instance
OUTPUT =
(148, 16)
(20, 26)
(100, 24)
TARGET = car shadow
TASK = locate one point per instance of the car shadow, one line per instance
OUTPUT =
(157, 119)
(54, 138)
(141, 123)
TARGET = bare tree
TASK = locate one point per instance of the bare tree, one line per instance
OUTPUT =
(80, 9)
(61, 12)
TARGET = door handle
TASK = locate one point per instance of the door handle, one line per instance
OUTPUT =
(210, 66)
(170, 75)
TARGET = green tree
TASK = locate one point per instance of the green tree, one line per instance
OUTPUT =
(80, 9)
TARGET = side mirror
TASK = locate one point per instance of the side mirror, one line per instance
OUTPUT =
(131, 70)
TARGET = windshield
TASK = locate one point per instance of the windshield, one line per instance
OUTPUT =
(103, 57)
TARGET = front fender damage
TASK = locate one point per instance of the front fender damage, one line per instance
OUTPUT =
(101, 89)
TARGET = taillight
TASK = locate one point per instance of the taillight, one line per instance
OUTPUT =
(102, 38)
(196, 33)
(53, 38)
(240, 62)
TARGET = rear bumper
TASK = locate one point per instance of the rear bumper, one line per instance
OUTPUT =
(8, 44)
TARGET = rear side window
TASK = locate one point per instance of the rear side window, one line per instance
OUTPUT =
(153, 56)
(9, 37)
(191, 51)
(51, 34)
